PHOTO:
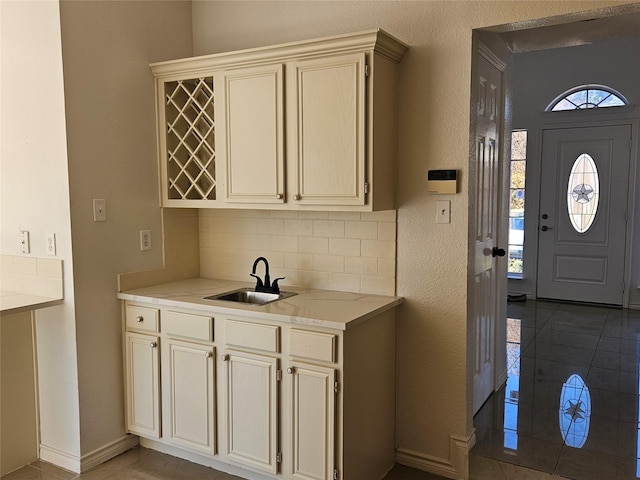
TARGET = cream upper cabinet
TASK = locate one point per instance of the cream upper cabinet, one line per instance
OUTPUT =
(251, 133)
(302, 126)
(328, 131)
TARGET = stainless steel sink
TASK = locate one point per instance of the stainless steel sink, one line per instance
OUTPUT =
(248, 295)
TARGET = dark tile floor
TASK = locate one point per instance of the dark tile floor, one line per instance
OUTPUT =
(571, 405)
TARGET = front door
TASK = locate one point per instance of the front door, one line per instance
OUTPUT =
(583, 214)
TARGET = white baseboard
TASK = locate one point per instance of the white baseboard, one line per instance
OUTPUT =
(456, 466)
(107, 452)
(59, 458)
(76, 464)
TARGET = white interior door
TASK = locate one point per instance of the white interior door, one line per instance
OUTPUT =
(486, 286)
(583, 214)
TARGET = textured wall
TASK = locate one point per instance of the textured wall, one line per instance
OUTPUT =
(433, 133)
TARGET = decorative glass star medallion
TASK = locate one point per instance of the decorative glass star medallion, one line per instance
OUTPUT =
(583, 193)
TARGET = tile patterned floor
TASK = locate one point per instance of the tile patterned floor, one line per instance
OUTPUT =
(144, 464)
(571, 405)
(569, 410)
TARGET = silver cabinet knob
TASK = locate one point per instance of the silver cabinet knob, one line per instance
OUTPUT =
(153, 344)
(208, 354)
(225, 358)
(296, 197)
(139, 319)
(290, 370)
(279, 196)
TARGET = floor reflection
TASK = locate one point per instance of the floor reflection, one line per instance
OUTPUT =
(571, 404)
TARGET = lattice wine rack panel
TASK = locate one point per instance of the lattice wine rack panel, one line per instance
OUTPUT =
(190, 139)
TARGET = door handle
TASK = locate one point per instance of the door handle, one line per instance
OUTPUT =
(498, 252)
(544, 228)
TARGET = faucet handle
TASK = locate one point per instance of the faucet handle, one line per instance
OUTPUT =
(259, 283)
(274, 286)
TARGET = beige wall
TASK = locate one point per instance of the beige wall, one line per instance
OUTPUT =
(110, 104)
(433, 133)
(34, 196)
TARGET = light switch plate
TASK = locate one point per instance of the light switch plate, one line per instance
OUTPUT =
(443, 211)
(23, 241)
(99, 210)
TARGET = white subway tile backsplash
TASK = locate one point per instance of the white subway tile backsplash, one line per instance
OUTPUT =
(361, 265)
(313, 245)
(347, 251)
(299, 261)
(378, 248)
(328, 263)
(283, 243)
(383, 216)
(386, 230)
(344, 246)
(298, 227)
(328, 228)
(361, 229)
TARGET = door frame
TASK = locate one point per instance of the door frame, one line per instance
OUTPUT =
(583, 119)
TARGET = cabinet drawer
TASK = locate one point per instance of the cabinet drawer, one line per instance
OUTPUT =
(142, 318)
(252, 335)
(312, 345)
(179, 324)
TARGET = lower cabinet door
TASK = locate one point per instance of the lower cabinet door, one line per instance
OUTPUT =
(251, 410)
(191, 379)
(313, 420)
(142, 356)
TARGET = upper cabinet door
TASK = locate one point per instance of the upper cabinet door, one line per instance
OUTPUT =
(329, 133)
(251, 134)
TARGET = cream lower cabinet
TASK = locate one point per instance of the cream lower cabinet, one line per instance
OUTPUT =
(263, 399)
(312, 421)
(142, 354)
(251, 410)
(191, 375)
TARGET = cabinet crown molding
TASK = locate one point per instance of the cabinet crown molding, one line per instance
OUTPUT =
(376, 40)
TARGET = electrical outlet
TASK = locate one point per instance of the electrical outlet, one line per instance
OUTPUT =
(99, 210)
(50, 243)
(145, 240)
(23, 241)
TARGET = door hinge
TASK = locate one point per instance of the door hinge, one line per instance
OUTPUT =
(366, 70)
(366, 188)
(335, 474)
(336, 387)
(279, 457)
(278, 375)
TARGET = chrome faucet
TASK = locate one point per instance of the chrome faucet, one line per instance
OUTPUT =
(265, 286)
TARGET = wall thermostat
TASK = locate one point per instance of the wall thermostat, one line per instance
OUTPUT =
(442, 181)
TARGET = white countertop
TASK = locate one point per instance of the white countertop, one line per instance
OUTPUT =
(15, 302)
(320, 308)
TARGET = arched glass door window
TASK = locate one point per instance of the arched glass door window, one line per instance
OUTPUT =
(584, 97)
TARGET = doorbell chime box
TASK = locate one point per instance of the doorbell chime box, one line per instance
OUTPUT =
(442, 181)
